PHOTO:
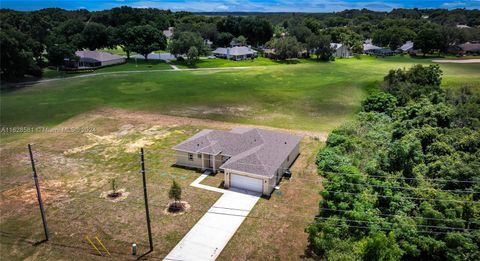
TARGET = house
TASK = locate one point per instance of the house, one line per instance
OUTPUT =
(462, 26)
(235, 53)
(470, 47)
(94, 59)
(250, 158)
(368, 46)
(407, 47)
(382, 52)
(341, 50)
(156, 56)
(168, 33)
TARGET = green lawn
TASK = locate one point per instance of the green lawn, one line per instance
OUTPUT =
(211, 63)
(310, 95)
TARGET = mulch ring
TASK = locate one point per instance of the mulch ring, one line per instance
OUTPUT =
(119, 195)
(181, 208)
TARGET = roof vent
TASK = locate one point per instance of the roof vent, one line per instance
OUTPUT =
(285, 142)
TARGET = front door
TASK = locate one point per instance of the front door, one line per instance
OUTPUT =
(210, 161)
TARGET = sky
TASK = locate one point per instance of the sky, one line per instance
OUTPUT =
(240, 5)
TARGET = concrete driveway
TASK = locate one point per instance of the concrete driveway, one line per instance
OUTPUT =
(206, 240)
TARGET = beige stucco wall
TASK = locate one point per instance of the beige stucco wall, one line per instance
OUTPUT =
(182, 160)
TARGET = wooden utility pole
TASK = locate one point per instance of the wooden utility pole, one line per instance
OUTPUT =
(39, 195)
(145, 195)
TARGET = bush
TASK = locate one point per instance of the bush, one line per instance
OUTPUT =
(380, 102)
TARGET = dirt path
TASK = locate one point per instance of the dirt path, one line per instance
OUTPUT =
(142, 117)
(456, 61)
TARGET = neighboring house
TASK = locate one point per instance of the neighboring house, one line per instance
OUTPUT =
(251, 159)
(465, 48)
(341, 50)
(369, 47)
(407, 47)
(168, 33)
(470, 47)
(94, 59)
(156, 56)
(235, 53)
(382, 52)
(462, 26)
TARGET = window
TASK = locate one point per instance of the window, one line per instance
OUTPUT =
(190, 156)
(199, 155)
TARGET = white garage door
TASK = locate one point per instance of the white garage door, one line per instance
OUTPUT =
(243, 182)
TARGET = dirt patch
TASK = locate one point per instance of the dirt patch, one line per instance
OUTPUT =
(170, 209)
(121, 195)
(161, 120)
(51, 192)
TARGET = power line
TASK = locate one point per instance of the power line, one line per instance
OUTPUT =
(403, 197)
(139, 203)
(409, 188)
(391, 223)
(391, 215)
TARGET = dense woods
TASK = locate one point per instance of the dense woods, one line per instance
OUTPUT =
(402, 180)
(32, 40)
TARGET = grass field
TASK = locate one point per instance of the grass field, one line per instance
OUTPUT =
(310, 96)
(125, 110)
(259, 61)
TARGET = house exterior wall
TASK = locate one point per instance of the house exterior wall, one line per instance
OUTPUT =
(343, 52)
(285, 165)
(182, 160)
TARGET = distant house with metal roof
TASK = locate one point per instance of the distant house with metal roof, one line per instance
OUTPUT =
(341, 50)
(251, 159)
(94, 59)
(235, 53)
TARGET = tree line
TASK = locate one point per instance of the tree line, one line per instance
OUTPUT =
(402, 181)
(32, 40)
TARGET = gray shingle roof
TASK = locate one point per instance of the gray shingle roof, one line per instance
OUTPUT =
(97, 56)
(237, 50)
(252, 150)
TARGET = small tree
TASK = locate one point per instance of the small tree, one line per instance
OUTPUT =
(114, 186)
(192, 55)
(175, 192)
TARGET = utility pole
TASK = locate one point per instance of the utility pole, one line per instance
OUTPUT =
(39, 195)
(145, 195)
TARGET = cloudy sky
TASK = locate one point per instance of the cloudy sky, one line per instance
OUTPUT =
(241, 5)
